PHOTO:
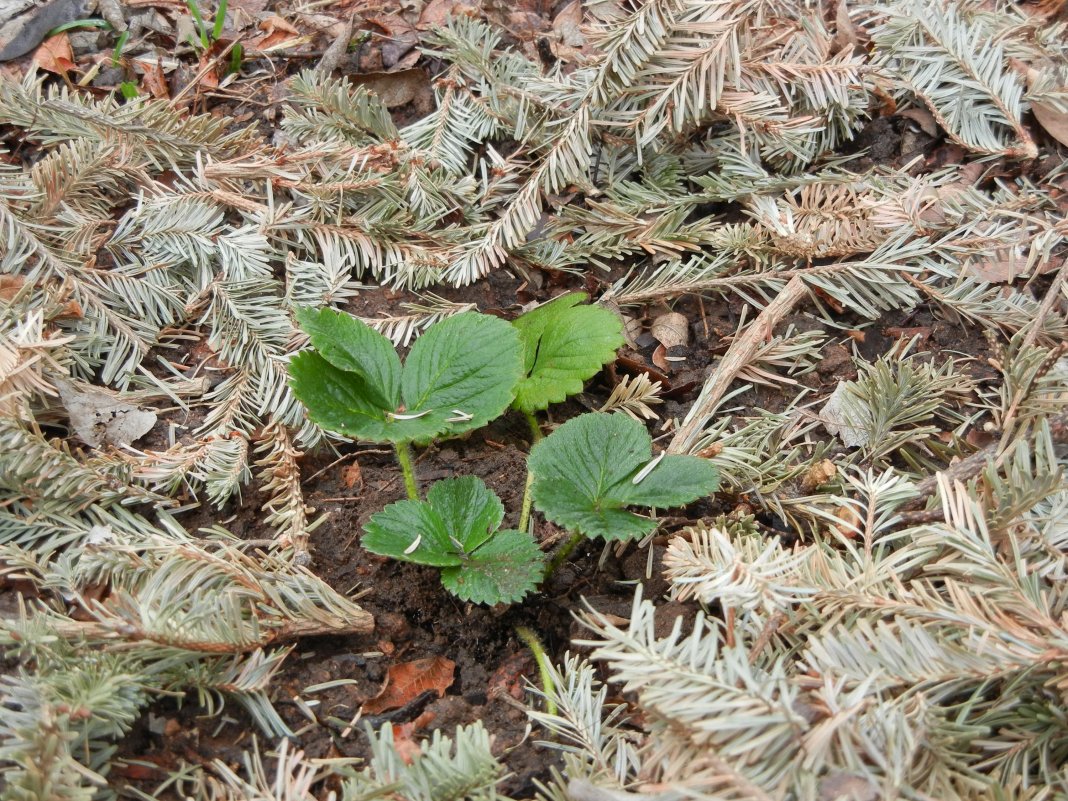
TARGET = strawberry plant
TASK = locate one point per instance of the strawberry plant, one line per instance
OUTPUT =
(458, 376)
(463, 372)
(457, 529)
(564, 344)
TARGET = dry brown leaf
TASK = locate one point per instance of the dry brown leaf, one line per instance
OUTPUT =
(1000, 267)
(352, 476)
(155, 82)
(100, 417)
(400, 40)
(922, 117)
(408, 680)
(1053, 120)
(404, 742)
(394, 89)
(10, 285)
(671, 329)
(55, 55)
(845, 37)
(276, 33)
(509, 678)
(437, 12)
(568, 29)
(818, 475)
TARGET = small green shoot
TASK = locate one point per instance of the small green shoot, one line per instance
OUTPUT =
(456, 529)
(198, 20)
(128, 89)
(206, 35)
(78, 24)
(220, 20)
(237, 56)
(459, 375)
(593, 466)
(116, 54)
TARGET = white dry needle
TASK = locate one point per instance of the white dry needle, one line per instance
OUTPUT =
(411, 548)
(415, 416)
(459, 416)
(647, 469)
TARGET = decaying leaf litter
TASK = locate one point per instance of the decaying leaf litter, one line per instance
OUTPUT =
(858, 213)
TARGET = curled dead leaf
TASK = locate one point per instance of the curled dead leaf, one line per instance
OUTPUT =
(671, 329)
(659, 358)
(55, 55)
(922, 117)
(395, 89)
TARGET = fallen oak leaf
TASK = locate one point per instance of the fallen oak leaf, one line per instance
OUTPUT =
(408, 680)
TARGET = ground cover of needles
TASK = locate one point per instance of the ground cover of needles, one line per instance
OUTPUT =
(832, 236)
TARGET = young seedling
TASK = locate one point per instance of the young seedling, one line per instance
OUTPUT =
(564, 345)
(456, 529)
(458, 376)
(593, 466)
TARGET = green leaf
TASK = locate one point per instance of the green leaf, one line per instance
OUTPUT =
(467, 364)
(458, 515)
(584, 477)
(355, 347)
(456, 528)
(504, 570)
(564, 344)
(459, 375)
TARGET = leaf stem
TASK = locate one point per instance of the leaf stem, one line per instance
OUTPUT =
(404, 458)
(561, 555)
(548, 686)
(536, 435)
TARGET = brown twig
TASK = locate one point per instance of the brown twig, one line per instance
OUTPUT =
(739, 354)
(974, 464)
(1046, 306)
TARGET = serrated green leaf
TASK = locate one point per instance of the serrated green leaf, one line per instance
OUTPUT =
(353, 347)
(504, 570)
(468, 509)
(396, 529)
(584, 477)
(564, 344)
(459, 375)
(458, 515)
(455, 528)
(467, 364)
(337, 400)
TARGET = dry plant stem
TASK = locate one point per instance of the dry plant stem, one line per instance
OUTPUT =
(404, 458)
(530, 639)
(1029, 339)
(535, 434)
(972, 466)
(291, 630)
(331, 59)
(1046, 306)
(739, 354)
